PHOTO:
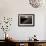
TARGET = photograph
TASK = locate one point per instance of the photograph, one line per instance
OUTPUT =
(26, 19)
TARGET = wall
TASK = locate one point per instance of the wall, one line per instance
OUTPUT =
(11, 8)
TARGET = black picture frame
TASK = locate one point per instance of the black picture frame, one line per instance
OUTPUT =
(26, 19)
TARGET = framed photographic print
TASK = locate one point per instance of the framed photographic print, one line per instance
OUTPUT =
(26, 19)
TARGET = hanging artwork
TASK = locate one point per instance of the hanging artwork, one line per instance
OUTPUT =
(6, 24)
(26, 20)
(36, 3)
